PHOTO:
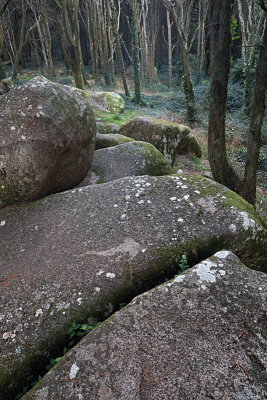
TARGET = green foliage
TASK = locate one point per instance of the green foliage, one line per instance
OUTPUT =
(118, 119)
(237, 72)
(262, 162)
(75, 333)
(233, 28)
(52, 363)
(197, 162)
(183, 264)
(235, 97)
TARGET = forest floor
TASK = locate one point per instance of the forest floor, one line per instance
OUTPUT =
(163, 103)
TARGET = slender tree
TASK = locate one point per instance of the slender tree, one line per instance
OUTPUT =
(181, 14)
(115, 27)
(135, 51)
(220, 65)
(66, 13)
(251, 18)
(23, 38)
(256, 119)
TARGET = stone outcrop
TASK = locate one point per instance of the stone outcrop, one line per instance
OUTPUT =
(47, 139)
(104, 128)
(199, 336)
(110, 140)
(129, 159)
(82, 252)
(107, 101)
(169, 138)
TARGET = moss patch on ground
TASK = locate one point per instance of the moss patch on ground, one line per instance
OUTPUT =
(112, 118)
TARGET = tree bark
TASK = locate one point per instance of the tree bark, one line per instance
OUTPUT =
(70, 39)
(181, 13)
(169, 28)
(256, 121)
(220, 67)
(22, 40)
(118, 48)
(135, 52)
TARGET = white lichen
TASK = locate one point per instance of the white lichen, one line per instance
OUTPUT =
(73, 371)
(204, 271)
(222, 254)
(110, 275)
(39, 312)
(232, 228)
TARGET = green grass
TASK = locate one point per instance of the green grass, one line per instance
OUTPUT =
(119, 119)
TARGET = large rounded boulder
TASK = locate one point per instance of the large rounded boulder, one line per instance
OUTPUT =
(107, 101)
(47, 139)
(129, 159)
(81, 253)
(110, 140)
(169, 138)
(200, 336)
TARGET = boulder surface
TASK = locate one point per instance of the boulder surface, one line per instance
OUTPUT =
(169, 138)
(107, 101)
(82, 252)
(129, 159)
(106, 128)
(47, 139)
(110, 140)
(200, 336)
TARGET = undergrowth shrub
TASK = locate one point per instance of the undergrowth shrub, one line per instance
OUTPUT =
(235, 97)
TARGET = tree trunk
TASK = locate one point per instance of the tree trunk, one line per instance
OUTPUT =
(70, 38)
(135, 53)
(251, 23)
(169, 28)
(256, 121)
(118, 48)
(220, 67)
(22, 41)
(188, 85)
(181, 14)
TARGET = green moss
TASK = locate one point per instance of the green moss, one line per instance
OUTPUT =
(114, 104)
(156, 164)
(83, 93)
(111, 140)
(114, 118)
(164, 263)
(169, 138)
(234, 200)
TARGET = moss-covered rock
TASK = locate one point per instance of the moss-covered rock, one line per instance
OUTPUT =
(107, 101)
(47, 139)
(129, 159)
(84, 251)
(209, 320)
(169, 138)
(106, 128)
(110, 140)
